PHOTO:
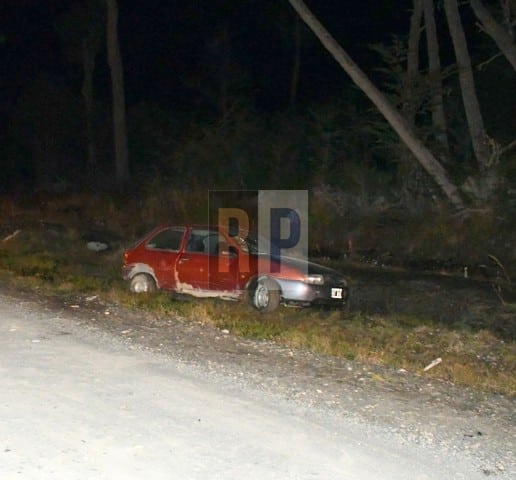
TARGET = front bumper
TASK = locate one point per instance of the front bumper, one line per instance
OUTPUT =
(331, 293)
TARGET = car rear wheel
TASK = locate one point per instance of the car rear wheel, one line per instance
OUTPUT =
(142, 283)
(266, 295)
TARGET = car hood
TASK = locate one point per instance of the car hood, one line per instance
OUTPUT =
(305, 265)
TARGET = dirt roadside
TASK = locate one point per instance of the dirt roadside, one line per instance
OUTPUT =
(448, 299)
(414, 408)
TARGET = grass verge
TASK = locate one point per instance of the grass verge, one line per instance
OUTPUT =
(475, 357)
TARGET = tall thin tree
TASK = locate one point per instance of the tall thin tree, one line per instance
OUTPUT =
(81, 28)
(411, 102)
(296, 66)
(434, 72)
(467, 85)
(500, 35)
(90, 48)
(395, 119)
(117, 86)
(509, 16)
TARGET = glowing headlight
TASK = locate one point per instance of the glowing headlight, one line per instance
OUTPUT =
(314, 279)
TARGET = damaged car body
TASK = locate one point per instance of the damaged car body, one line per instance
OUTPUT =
(209, 261)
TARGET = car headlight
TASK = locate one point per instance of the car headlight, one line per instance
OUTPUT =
(314, 279)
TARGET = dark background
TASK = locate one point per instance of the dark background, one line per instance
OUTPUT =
(165, 42)
(175, 54)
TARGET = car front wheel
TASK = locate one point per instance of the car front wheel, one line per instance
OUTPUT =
(142, 283)
(266, 295)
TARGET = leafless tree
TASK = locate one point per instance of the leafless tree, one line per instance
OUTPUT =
(467, 84)
(434, 71)
(509, 16)
(501, 36)
(82, 31)
(410, 102)
(297, 62)
(395, 119)
(117, 85)
(90, 49)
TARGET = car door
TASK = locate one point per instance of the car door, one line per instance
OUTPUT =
(192, 265)
(161, 253)
(205, 263)
(223, 268)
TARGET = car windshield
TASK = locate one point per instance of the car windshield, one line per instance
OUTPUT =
(253, 243)
(249, 243)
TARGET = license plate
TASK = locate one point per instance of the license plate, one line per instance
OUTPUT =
(336, 293)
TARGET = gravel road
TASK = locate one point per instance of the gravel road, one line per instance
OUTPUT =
(92, 391)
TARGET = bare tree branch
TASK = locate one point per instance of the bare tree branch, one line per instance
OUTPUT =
(501, 37)
(395, 119)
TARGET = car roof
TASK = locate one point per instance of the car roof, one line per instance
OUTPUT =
(190, 225)
(208, 226)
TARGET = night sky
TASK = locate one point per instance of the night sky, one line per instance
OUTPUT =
(166, 43)
(181, 57)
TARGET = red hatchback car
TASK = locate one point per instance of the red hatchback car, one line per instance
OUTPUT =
(206, 261)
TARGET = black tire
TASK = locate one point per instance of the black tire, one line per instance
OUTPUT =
(266, 295)
(142, 283)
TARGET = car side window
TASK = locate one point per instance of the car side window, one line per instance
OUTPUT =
(205, 241)
(195, 243)
(169, 239)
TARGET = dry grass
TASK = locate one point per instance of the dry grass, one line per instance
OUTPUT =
(477, 359)
(56, 261)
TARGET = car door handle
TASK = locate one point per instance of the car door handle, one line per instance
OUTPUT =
(184, 259)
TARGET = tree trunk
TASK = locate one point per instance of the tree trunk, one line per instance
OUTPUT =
(509, 11)
(410, 102)
(501, 37)
(396, 120)
(89, 52)
(297, 62)
(467, 85)
(225, 70)
(434, 63)
(117, 85)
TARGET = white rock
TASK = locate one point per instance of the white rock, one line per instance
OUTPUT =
(97, 246)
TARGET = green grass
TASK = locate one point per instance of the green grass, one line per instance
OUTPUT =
(474, 357)
(477, 359)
